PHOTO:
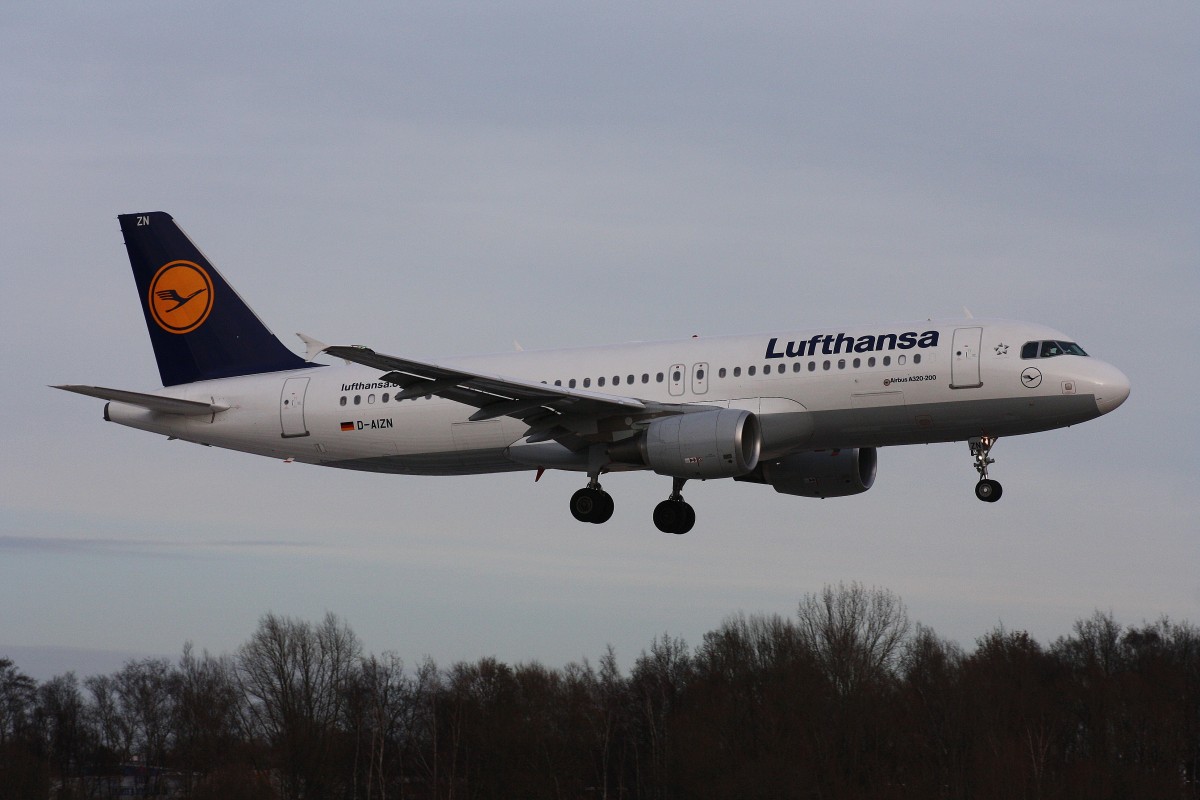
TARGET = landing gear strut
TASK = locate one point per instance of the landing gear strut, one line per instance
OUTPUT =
(987, 490)
(673, 515)
(592, 503)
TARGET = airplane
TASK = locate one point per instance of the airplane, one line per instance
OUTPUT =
(803, 411)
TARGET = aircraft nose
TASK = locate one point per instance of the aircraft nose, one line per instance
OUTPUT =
(1111, 387)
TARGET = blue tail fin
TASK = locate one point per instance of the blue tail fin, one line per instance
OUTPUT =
(198, 325)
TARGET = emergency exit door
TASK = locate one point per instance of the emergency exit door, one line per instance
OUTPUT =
(291, 407)
(964, 364)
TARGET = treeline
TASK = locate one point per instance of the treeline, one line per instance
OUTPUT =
(844, 700)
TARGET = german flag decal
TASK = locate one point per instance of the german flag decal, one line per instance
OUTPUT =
(347, 426)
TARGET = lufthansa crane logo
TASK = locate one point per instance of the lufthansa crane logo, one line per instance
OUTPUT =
(180, 297)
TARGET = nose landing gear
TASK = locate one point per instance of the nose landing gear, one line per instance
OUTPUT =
(987, 490)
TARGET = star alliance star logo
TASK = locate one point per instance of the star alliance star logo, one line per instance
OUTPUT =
(1001, 349)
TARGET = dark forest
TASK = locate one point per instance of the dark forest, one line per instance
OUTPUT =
(844, 699)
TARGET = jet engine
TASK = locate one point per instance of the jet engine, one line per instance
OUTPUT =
(717, 443)
(820, 473)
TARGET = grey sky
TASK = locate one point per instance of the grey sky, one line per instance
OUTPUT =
(444, 179)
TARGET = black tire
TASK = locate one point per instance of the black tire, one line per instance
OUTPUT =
(988, 491)
(583, 504)
(604, 508)
(666, 515)
(674, 516)
(688, 520)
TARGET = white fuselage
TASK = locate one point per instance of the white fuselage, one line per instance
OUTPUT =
(828, 388)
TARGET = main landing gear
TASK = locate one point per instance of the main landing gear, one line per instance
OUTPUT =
(987, 490)
(674, 515)
(593, 504)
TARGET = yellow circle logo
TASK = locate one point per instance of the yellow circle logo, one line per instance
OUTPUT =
(180, 297)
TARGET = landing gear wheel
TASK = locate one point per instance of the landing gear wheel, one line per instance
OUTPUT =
(605, 511)
(592, 505)
(988, 491)
(674, 516)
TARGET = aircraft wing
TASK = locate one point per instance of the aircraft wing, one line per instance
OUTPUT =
(570, 416)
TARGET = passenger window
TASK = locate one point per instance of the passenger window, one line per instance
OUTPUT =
(558, 383)
(342, 402)
(900, 360)
(812, 366)
(358, 399)
(721, 372)
(571, 383)
(841, 363)
(766, 369)
(600, 381)
(629, 379)
(699, 374)
(675, 376)
(887, 361)
(616, 380)
(386, 396)
(659, 377)
(370, 398)
(916, 358)
(796, 367)
(645, 377)
(737, 372)
(587, 382)
(750, 370)
(871, 361)
(825, 365)
(857, 363)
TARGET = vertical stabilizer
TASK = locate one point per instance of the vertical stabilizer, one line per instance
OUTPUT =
(199, 326)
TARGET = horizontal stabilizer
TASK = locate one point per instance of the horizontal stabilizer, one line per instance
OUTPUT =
(154, 402)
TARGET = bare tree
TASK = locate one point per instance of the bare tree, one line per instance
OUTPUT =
(378, 710)
(17, 691)
(104, 717)
(657, 682)
(854, 632)
(206, 720)
(146, 699)
(60, 721)
(293, 677)
(22, 771)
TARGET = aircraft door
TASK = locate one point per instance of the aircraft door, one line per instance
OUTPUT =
(699, 378)
(291, 407)
(964, 366)
(675, 379)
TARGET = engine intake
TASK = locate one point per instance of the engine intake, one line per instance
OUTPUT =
(718, 443)
(821, 473)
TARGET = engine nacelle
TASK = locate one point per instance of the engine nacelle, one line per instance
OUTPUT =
(822, 473)
(718, 443)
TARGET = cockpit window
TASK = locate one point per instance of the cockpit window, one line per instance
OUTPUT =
(1050, 349)
(1071, 349)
